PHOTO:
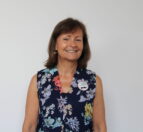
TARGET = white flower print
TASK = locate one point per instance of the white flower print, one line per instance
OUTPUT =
(61, 102)
(46, 93)
(67, 109)
(89, 95)
(50, 110)
(73, 123)
(89, 72)
(82, 80)
(39, 75)
(45, 77)
(82, 99)
(74, 84)
(39, 85)
(64, 107)
(43, 80)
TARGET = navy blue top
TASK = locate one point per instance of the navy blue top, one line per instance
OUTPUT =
(65, 112)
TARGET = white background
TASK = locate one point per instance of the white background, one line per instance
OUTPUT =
(115, 30)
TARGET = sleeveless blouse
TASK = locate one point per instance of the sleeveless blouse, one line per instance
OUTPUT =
(65, 112)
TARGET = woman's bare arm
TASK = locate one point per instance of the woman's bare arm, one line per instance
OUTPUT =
(99, 109)
(32, 107)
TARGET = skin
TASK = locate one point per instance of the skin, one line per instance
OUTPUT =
(67, 62)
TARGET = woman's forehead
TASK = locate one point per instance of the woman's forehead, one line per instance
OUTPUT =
(75, 32)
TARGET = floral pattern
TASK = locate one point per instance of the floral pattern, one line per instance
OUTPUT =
(88, 113)
(53, 123)
(73, 123)
(57, 83)
(64, 107)
(65, 112)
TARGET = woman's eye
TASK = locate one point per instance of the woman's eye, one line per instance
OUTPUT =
(65, 39)
(78, 40)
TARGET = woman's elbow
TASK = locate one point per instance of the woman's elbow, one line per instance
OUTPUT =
(29, 127)
(100, 127)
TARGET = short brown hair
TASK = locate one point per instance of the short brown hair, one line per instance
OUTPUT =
(66, 26)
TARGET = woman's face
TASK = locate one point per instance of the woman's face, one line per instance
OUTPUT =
(70, 45)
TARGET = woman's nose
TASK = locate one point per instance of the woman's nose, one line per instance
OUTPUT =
(72, 43)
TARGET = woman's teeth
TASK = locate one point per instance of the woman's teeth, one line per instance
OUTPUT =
(71, 51)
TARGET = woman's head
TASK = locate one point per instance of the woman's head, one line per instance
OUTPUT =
(69, 32)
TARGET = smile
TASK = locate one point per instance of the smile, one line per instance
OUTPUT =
(71, 51)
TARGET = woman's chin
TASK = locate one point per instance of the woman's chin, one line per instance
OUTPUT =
(71, 59)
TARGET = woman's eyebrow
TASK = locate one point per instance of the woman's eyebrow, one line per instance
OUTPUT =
(69, 35)
(66, 35)
(79, 36)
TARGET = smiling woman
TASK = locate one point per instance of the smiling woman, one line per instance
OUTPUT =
(66, 96)
(70, 30)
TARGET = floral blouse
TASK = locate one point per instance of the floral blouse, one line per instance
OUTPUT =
(65, 112)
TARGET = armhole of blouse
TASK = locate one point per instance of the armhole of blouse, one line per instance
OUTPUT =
(95, 78)
(94, 75)
(37, 82)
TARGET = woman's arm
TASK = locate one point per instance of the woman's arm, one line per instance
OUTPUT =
(99, 109)
(32, 107)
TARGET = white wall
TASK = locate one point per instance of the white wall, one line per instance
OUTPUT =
(115, 31)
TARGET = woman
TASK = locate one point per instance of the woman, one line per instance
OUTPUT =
(66, 96)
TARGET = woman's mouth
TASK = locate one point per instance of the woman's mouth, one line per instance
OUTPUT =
(71, 51)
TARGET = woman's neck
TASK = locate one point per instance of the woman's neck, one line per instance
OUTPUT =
(66, 68)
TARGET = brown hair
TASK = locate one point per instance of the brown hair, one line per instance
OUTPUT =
(66, 26)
